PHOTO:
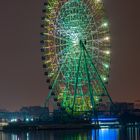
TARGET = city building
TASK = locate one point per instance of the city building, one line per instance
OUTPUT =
(35, 111)
(121, 107)
(137, 104)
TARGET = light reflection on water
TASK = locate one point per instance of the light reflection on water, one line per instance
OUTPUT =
(105, 134)
(102, 134)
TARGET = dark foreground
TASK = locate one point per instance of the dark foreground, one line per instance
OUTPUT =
(129, 133)
(30, 127)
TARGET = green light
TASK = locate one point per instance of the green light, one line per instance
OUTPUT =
(104, 78)
(96, 98)
(106, 66)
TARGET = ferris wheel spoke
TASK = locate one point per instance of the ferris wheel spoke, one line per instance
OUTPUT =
(76, 82)
(88, 76)
(98, 76)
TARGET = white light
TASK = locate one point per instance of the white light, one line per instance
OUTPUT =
(107, 52)
(27, 119)
(105, 24)
(104, 78)
(98, 0)
(106, 128)
(12, 120)
(96, 98)
(75, 40)
(106, 66)
(107, 38)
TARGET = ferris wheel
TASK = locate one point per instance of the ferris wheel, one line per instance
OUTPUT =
(75, 49)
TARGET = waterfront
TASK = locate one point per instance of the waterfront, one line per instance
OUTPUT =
(132, 133)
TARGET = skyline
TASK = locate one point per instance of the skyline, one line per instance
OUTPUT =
(22, 81)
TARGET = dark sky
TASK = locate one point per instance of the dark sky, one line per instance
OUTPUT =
(21, 75)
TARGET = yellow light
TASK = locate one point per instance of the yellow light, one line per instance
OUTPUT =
(107, 38)
(107, 52)
(98, 0)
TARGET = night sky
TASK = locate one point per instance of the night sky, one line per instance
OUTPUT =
(22, 82)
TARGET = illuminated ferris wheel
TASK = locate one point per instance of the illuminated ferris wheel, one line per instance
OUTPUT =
(76, 54)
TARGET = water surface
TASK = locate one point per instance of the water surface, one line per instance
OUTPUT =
(91, 134)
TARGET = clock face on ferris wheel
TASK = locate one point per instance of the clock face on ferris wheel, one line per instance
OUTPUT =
(76, 53)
